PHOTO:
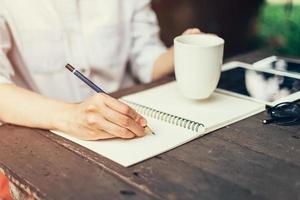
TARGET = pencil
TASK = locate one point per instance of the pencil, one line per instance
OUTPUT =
(96, 88)
(84, 79)
(149, 131)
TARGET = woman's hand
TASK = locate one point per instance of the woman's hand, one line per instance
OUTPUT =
(192, 31)
(102, 117)
(164, 64)
(99, 117)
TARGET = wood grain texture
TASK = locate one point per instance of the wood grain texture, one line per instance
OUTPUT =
(166, 177)
(246, 160)
(50, 171)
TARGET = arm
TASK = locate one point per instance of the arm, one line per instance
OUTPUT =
(22, 107)
(164, 64)
(99, 117)
(146, 45)
(149, 58)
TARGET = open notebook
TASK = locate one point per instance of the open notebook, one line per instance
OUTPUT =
(175, 121)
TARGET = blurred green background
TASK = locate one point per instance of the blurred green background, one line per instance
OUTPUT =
(246, 25)
(279, 27)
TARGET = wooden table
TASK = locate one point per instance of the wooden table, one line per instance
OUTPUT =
(246, 160)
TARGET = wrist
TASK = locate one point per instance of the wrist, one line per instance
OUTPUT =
(62, 117)
(164, 65)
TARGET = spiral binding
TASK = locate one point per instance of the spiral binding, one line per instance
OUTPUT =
(171, 119)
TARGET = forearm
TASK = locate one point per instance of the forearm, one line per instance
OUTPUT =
(164, 65)
(22, 107)
(99, 117)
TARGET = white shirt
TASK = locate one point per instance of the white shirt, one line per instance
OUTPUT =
(100, 37)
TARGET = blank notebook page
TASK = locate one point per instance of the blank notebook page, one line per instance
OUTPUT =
(218, 111)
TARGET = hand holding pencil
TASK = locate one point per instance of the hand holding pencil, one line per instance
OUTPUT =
(108, 115)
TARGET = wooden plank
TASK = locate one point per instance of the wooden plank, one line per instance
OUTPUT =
(271, 140)
(202, 168)
(47, 170)
(165, 176)
(252, 56)
(261, 174)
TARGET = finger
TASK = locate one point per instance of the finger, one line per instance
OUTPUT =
(123, 121)
(93, 135)
(192, 31)
(100, 135)
(124, 109)
(186, 32)
(97, 122)
(195, 31)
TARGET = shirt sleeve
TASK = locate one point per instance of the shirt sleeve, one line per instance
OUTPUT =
(146, 44)
(6, 70)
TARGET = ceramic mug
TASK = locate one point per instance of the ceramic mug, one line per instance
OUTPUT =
(198, 61)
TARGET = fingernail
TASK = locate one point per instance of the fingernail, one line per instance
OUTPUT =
(143, 122)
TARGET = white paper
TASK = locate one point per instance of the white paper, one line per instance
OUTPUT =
(218, 111)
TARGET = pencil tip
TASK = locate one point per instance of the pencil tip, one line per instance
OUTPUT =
(148, 131)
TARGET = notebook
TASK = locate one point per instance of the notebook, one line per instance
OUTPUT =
(175, 121)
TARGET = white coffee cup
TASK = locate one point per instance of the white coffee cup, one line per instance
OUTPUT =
(198, 62)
